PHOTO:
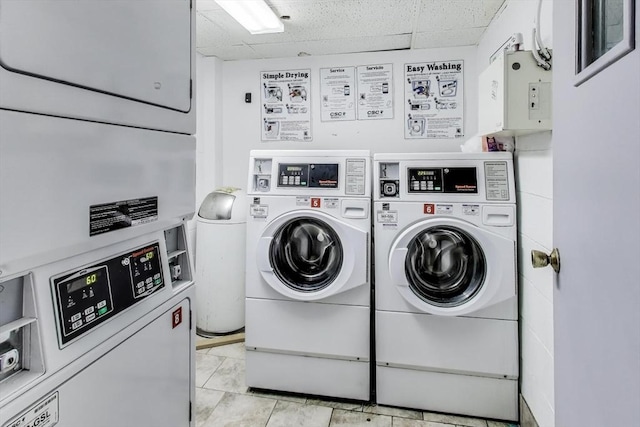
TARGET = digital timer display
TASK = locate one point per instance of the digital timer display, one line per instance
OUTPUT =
(87, 279)
(294, 168)
(425, 172)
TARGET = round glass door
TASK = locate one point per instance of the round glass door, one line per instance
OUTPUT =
(306, 254)
(444, 266)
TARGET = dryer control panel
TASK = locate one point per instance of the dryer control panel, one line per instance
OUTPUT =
(89, 296)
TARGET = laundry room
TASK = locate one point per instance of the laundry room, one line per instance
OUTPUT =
(227, 149)
(354, 217)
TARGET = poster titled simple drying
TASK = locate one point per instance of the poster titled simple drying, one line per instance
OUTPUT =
(286, 106)
(434, 100)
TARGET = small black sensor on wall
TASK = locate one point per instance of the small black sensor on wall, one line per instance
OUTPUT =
(247, 97)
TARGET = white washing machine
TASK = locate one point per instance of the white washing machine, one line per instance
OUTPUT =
(308, 279)
(446, 305)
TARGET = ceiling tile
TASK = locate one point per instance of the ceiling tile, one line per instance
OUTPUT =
(206, 5)
(462, 37)
(229, 52)
(328, 47)
(454, 14)
(322, 27)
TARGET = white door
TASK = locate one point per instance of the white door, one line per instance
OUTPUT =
(596, 149)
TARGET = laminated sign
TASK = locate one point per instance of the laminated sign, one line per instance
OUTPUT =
(286, 105)
(434, 100)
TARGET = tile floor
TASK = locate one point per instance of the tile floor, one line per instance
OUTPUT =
(222, 399)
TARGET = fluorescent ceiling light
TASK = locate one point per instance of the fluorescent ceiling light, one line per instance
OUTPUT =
(255, 15)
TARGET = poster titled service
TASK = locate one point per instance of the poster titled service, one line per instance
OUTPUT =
(434, 100)
(338, 94)
(286, 107)
(375, 92)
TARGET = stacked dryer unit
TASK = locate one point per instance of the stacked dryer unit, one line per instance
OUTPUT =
(308, 280)
(97, 180)
(445, 265)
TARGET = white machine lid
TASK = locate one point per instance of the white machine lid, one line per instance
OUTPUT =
(54, 40)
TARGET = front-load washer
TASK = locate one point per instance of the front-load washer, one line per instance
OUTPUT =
(446, 336)
(308, 279)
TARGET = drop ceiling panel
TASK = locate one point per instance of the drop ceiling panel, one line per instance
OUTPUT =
(463, 37)
(230, 52)
(328, 47)
(321, 27)
(438, 15)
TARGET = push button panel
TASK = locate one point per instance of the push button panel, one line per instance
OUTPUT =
(88, 296)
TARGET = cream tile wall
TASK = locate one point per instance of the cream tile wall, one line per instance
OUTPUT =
(535, 198)
(534, 182)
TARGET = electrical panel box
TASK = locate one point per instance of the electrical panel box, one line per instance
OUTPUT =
(514, 96)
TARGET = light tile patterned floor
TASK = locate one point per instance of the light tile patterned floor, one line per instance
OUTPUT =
(223, 400)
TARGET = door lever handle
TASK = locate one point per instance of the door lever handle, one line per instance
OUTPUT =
(540, 259)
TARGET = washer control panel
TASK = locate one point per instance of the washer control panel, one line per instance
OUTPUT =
(308, 175)
(442, 180)
(88, 296)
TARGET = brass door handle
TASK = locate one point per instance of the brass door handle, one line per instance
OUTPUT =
(540, 259)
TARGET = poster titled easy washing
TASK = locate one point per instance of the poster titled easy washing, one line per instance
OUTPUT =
(286, 107)
(434, 100)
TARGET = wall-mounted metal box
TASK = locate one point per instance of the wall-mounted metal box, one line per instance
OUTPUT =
(514, 96)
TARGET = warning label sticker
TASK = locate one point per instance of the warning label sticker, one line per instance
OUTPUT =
(444, 209)
(387, 217)
(127, 213)
(472, 210)
(259, 211)
(42, 414)
(331, 203)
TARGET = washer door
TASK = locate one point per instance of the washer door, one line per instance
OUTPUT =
(307, 255)
(450, 267)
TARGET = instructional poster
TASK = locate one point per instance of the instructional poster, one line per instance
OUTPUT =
(337, 93)
(286, 107)
(434, 100)
(375, 92)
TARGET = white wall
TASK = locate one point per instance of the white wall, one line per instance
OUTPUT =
(208, 133)
(534, 178)
(242, 122)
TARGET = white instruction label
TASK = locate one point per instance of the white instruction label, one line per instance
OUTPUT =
(42, 414)
(444, 209)
(355, 176)
(471, 210)
(496, 180)
(259, 211)
(331, 203)
(302, 201)
(388, 217)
